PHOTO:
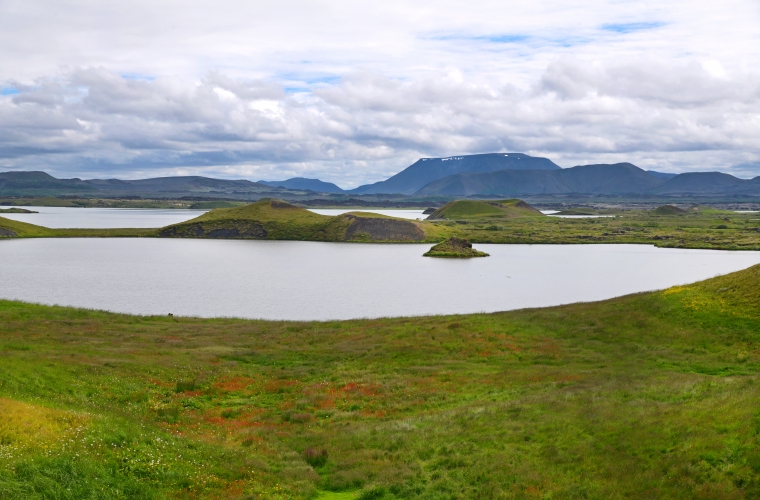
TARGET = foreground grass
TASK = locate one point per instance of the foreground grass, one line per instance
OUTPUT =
(647, 396)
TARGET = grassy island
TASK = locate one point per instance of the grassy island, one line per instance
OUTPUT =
(454, 248)
(652, 395)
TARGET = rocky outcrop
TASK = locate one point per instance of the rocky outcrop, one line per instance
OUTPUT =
(240, 230)
(7, 233)
(456, 248)
(382, 229)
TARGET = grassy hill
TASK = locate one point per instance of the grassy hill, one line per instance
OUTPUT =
(651, 395)
(276, 219)
(468, 209)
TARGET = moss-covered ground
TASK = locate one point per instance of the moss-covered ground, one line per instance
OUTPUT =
(653, 395)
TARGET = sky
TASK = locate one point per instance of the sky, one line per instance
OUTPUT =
(353, 92)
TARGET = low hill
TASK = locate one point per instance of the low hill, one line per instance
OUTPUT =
(469, 209)
(669, 210)
(179, 185)
(620, 178)
(43, 184)
(40, 184)
(302, 183)
(278, 220)
(426, 170)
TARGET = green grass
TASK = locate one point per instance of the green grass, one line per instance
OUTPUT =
(651, 395)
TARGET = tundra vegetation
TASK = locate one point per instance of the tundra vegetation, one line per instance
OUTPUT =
(505, 221)
(652, 395)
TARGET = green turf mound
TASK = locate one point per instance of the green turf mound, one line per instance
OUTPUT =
(472, 209)
(668, 210)
(15, 210)
(12, 229)
(454, 248)
(279, 220)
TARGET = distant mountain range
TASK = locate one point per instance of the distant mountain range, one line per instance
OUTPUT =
(42, 184)
(494, 174)
(303, 183)
(603, 179)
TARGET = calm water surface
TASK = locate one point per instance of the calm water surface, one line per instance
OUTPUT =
(310, 280)
(100, 218)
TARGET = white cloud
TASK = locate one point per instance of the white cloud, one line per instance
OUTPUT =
(354, 91)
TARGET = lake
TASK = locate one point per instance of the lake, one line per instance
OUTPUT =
(320, 281)
(101, 218)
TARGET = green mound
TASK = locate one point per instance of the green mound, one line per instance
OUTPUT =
(668, 210)
(16, 211)
(12, 229)
(279, 220)
(454, 248)
(472, 209)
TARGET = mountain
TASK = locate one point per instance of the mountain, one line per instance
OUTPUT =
(708, 183)
(42, 184)
(20, 182)
(661, 175)
(620, 178)
(303, 183)
(180, 184)
(427, 170)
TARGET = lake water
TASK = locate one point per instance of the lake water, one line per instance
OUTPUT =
(400, 213)
(100, 218)
(311, 280)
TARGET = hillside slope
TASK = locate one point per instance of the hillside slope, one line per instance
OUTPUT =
(647, 396)
(426, 170)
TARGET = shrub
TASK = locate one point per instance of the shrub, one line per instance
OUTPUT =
(314, 457)
(185, 385)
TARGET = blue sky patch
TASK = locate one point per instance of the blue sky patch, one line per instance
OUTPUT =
(136, 76)
(9, 91)
(631, 27)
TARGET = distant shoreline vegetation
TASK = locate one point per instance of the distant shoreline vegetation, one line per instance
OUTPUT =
(511, 221)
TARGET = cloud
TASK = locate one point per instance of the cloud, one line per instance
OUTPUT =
(354, 92)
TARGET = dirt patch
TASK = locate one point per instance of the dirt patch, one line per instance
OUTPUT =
(7, 233)
(380, 229)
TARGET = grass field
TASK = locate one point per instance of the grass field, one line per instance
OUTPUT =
(652, 395)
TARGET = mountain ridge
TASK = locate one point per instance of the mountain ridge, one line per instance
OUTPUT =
(600, 179)
(426, 170)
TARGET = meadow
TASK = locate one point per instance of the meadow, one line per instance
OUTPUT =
(652, 395)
